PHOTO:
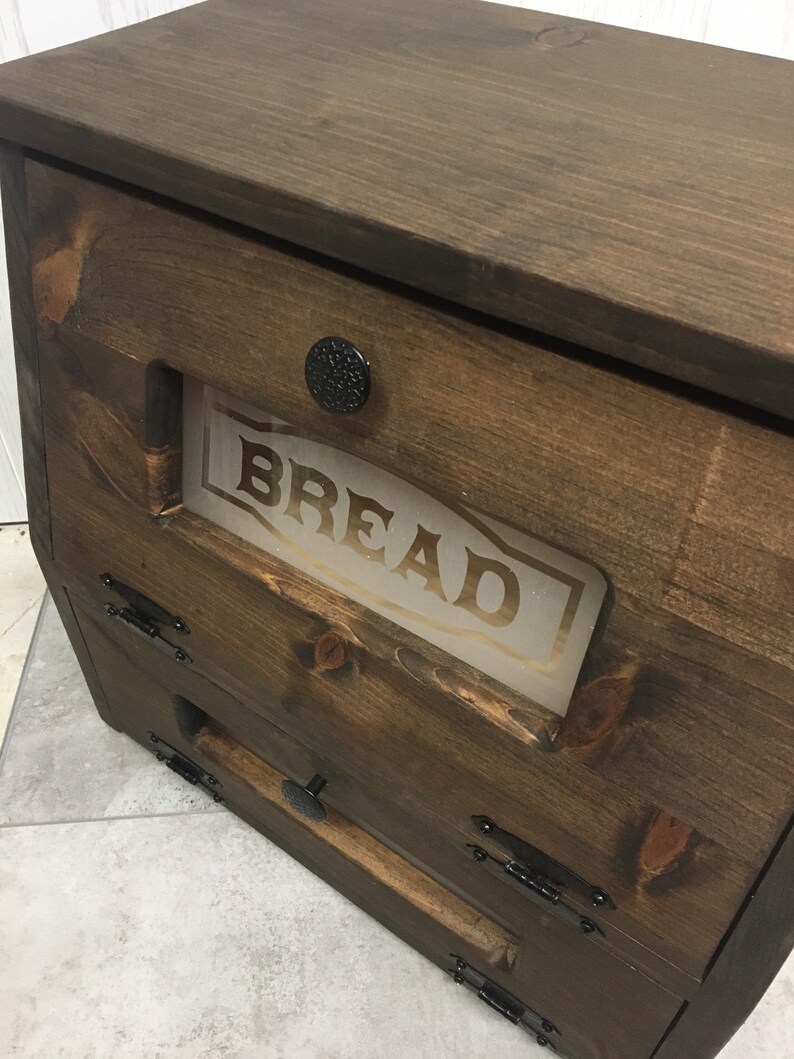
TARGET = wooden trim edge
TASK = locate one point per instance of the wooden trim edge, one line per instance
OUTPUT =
(23, 319)
(753, 951)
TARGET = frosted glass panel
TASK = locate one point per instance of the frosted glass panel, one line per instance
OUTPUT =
(514, 607)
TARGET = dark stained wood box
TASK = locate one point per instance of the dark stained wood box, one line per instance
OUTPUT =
(406, 393)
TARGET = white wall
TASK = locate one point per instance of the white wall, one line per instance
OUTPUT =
(28, 26)
(764, 26)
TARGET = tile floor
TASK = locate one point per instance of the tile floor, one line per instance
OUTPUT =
(21, 593)
(124, 935)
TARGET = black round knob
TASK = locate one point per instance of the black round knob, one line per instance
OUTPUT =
(305, 800)
(337, 376)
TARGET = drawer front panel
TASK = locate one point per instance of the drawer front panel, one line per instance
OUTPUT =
(609, 792)
(653, 488)
(573, 985)
(394, 713)
(373, 796)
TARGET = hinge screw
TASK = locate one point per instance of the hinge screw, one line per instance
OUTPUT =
(587, 926)
(479, 855)
(106, 580)
(180, 626)
(546, 1026)
(542, 1041)
(180, 655)
(153, 738)
(458, 978)
(460, 965)
(159, 756)
(110, 610)
(598, 898)
(212, 781)
(486, 826)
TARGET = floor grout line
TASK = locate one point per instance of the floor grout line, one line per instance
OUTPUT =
(112, 819)
(23, 677)
(17, 620)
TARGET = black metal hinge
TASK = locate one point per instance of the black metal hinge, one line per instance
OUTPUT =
(187, 769)
(544, 877)
(146, 617)
(538, 885)
(541, 864)
(514, 1010)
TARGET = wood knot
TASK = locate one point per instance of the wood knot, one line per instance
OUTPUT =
(59, 258)
(330, 651)
(667, 843)
(598, 707)
(561, 36)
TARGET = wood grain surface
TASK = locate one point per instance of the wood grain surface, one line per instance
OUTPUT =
(601, 1004)
(25, 345)
(682, 506)
(130, 294)
(33, 26)
(588, 182)
(400, 731)
(27, 27)
(759, 943)
(669, 783)
(381, 808)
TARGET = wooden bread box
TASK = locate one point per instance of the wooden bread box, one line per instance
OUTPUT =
(406, 395)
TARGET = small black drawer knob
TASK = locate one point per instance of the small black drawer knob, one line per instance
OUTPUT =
(337, 376)
(305, 800)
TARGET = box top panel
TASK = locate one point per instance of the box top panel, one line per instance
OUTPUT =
(620, 190)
